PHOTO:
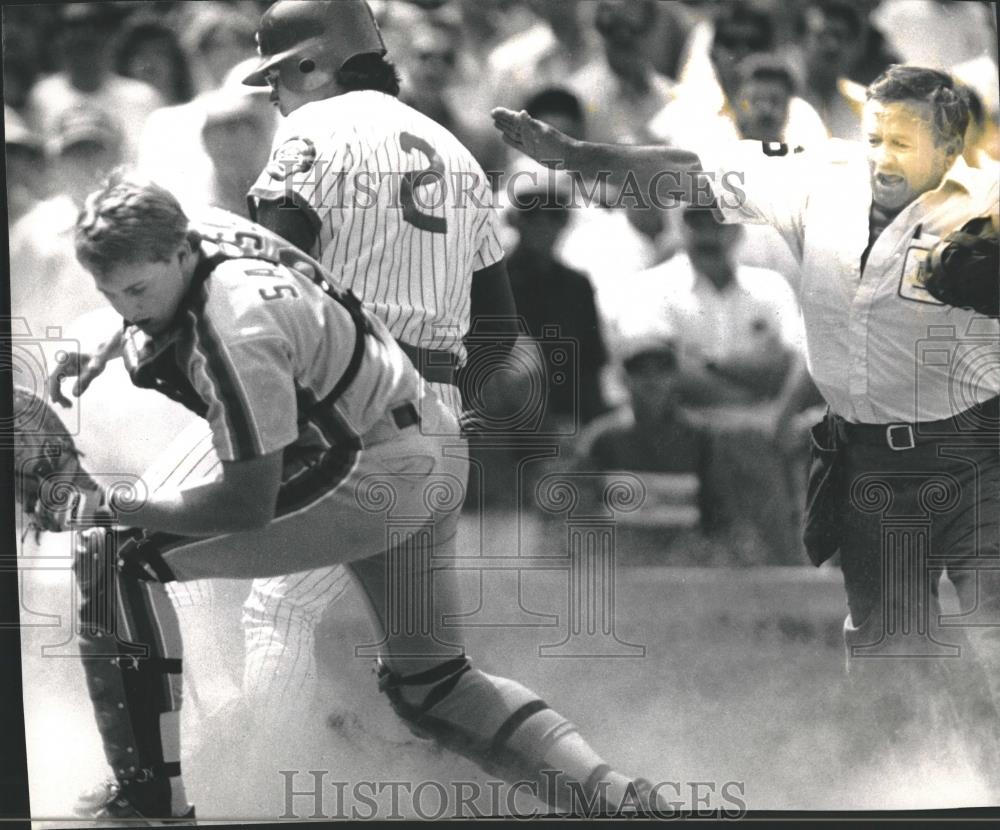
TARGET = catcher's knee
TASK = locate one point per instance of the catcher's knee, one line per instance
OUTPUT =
(496, 722)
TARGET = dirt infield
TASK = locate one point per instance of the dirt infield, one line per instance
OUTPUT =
(709, 678)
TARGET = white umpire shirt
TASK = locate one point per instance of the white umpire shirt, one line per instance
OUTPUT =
(879, 347)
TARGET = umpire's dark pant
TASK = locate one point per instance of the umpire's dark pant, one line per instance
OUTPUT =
(918, 502)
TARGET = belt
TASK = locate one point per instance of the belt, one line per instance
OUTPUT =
(435, 365)
(393, 422)
(981, 419)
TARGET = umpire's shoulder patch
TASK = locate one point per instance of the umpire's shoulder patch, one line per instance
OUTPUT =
(295, 155)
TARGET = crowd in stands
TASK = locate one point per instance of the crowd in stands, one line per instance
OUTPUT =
(677, 332)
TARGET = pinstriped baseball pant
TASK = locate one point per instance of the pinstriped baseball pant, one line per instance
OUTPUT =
(281, 613)
(280, 618)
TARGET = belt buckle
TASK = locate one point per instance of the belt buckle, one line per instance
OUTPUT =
(908, 434)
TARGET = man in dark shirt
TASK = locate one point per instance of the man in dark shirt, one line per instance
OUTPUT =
(556, 300)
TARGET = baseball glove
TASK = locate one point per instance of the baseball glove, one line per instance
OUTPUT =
(963, 269)
(49, 481)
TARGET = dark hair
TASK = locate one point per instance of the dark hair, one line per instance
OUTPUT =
(610, 14)
(554, 100)
(369, 71)
(141, 31)
(767, 67)
(736, 14)
(975, 104)
(916, 83)
(128, 220)
(834, 10)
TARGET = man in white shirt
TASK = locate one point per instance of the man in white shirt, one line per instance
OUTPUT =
(736, 327)
(829, 47)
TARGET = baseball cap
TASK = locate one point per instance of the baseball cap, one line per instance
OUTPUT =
(83, 124)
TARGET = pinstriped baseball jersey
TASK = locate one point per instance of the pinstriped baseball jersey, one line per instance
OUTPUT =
(403, 212)
(257, 345)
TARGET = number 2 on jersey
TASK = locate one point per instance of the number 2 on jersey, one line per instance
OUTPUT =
(428, 176)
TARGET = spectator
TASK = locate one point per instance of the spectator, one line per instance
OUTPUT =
(20, 57)
(85, 145)
(705, 108)
(603, 242)
(562, 42)
(559, 107)
(440, 78)
(549, 295)
(765, 93)
(651, 435)
(237, 134)
(25, 166)
(86, 79)
(217, 36)
(174, 146)
(876, 53)
(149, 50)
(737, 328)
(621, 90)
(832, 30)
(430, 70)
(674, 35)
(738, 336)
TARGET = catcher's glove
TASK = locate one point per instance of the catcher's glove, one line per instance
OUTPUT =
(49, 481)
(963, 270)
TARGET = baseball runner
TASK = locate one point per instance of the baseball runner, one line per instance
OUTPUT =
(323, 427)
(398, 210)
(909, 372)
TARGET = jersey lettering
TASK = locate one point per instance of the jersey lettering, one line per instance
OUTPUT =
(428, 176)
(278, 292)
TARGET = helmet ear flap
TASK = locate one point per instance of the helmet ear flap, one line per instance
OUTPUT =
(305, 74)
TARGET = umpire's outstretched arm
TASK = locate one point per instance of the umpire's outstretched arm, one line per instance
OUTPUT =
(615, 163)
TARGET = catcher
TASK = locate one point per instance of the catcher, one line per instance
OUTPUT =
(324, 430)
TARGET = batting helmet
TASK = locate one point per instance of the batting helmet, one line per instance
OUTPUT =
(329, 31)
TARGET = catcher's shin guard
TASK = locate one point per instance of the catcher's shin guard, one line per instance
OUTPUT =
(504, 728)
(130, 644)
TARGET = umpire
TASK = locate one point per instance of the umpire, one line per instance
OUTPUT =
(905, 478)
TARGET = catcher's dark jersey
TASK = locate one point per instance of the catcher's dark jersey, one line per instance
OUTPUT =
(269, 358)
